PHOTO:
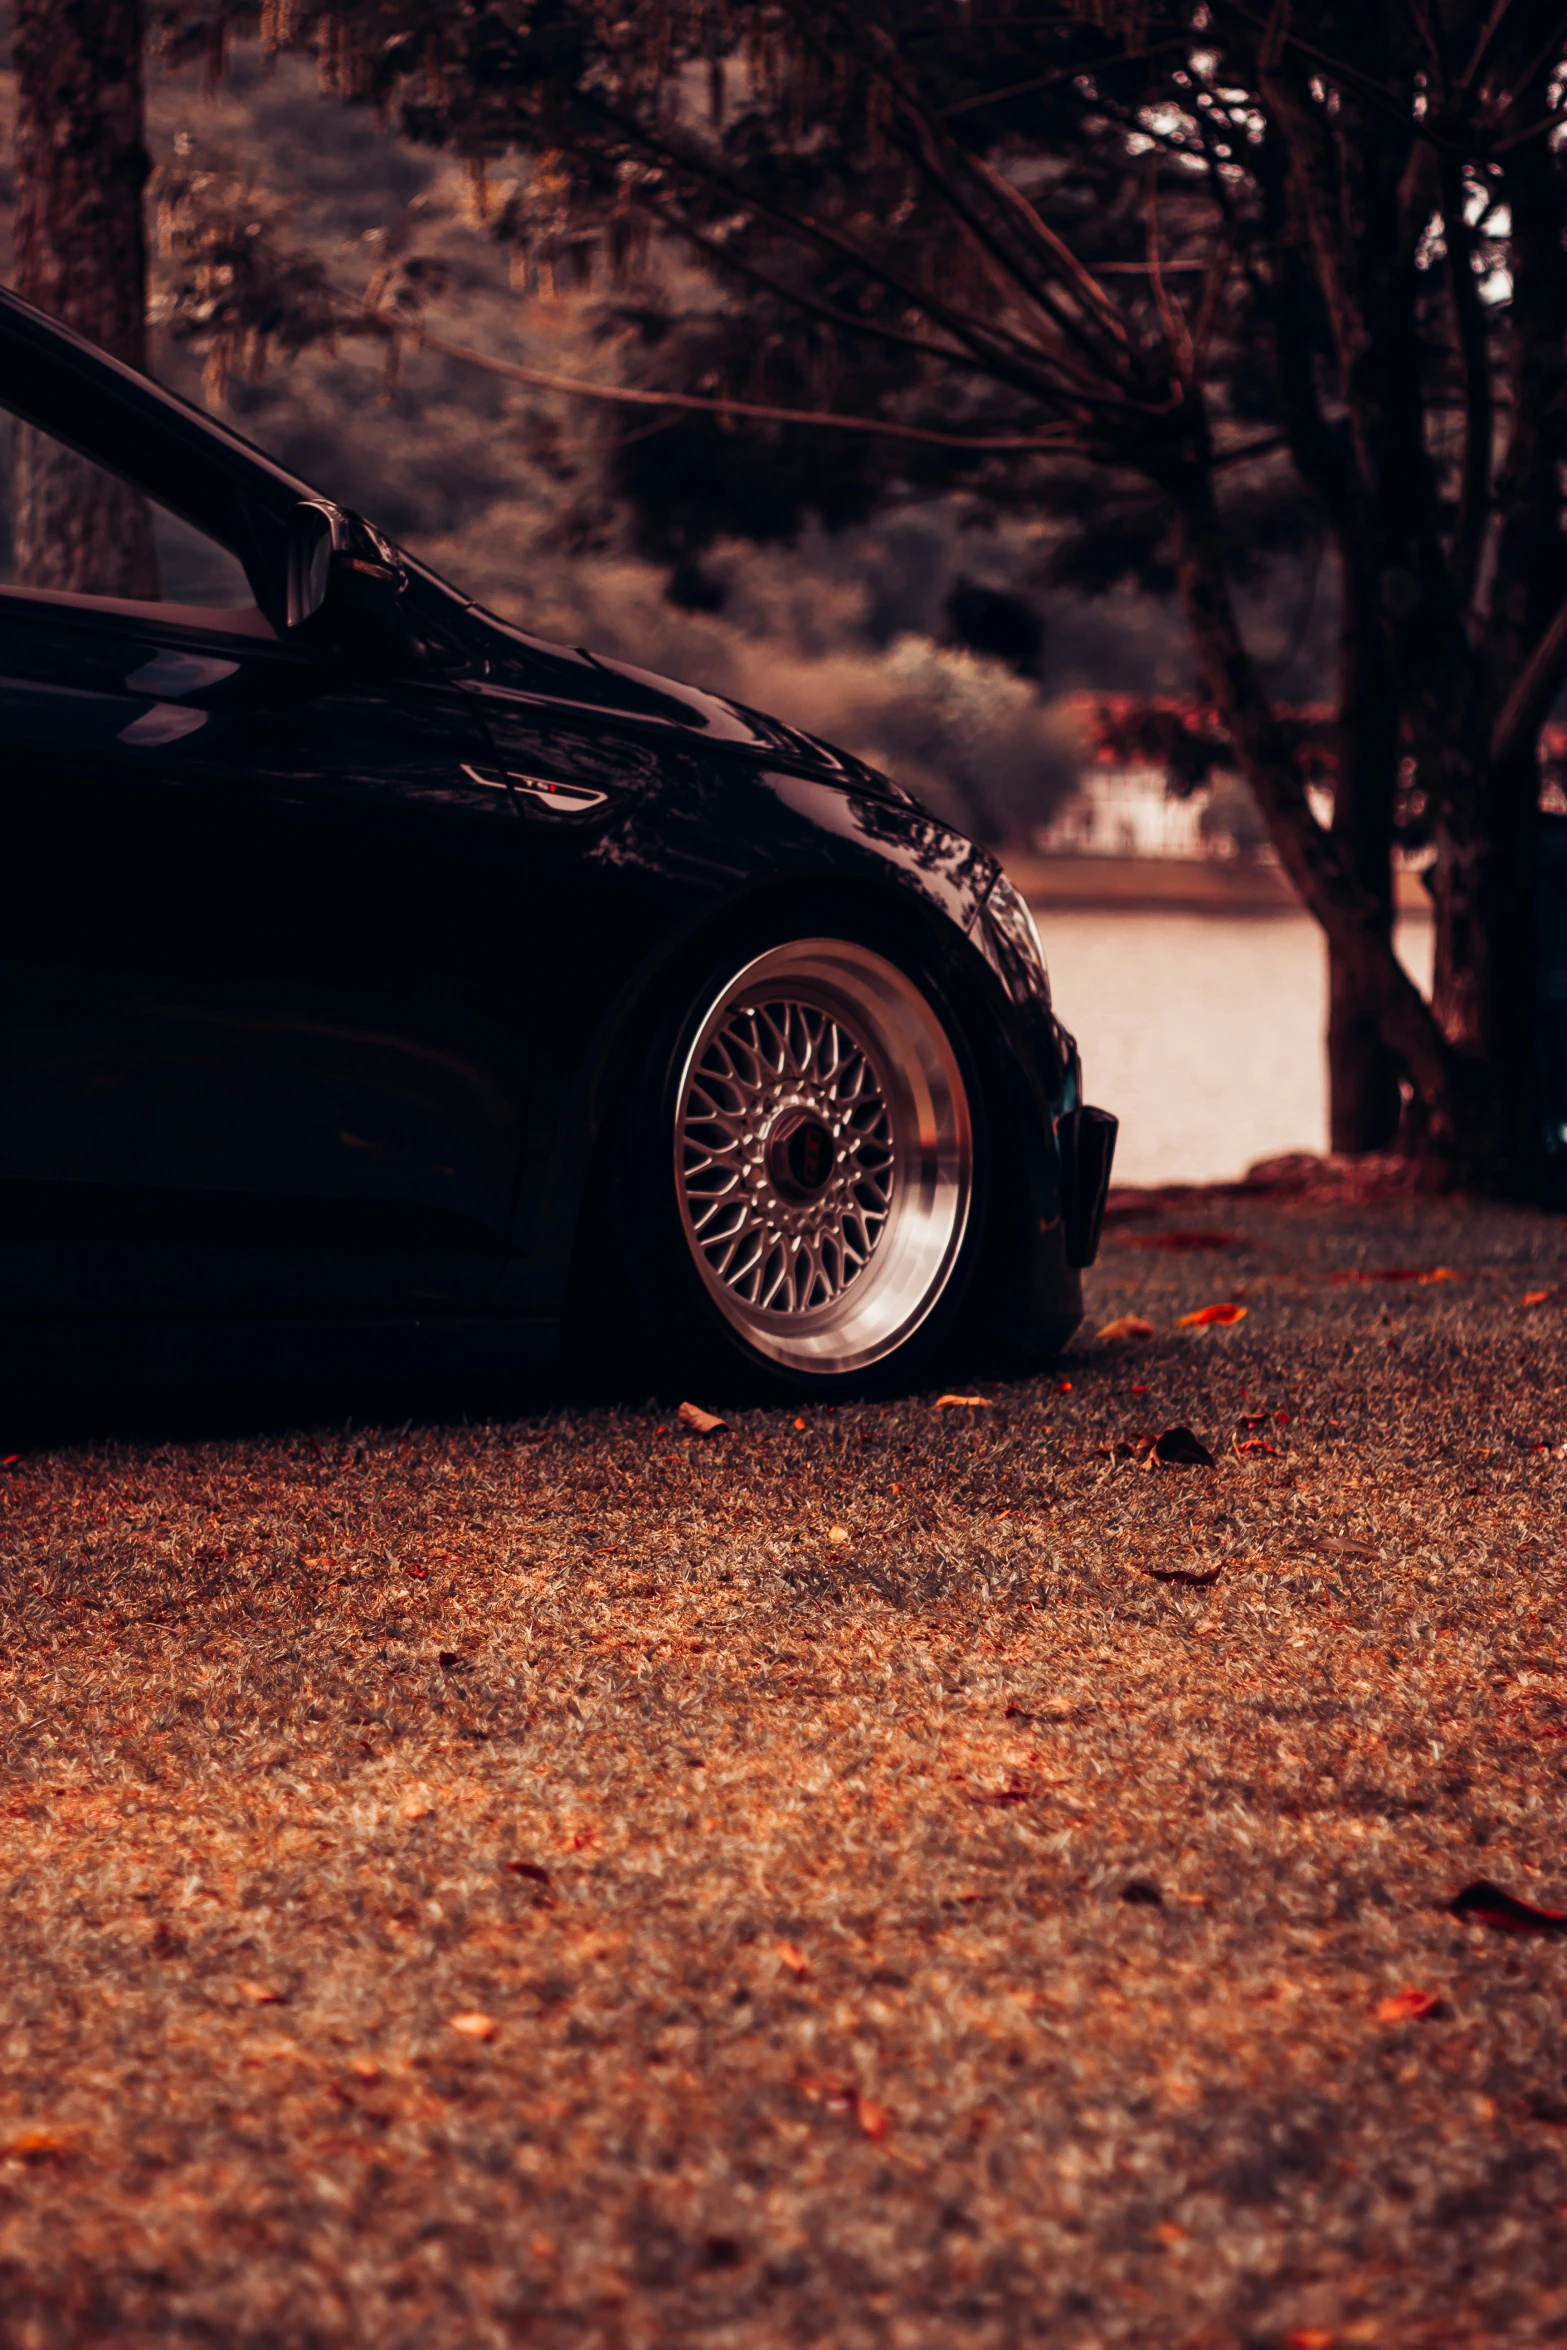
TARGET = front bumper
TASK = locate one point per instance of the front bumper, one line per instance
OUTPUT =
(1085, 1144)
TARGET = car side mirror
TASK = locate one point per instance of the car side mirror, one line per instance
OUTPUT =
(340, 570)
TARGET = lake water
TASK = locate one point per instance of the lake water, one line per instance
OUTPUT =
(1203, 1032)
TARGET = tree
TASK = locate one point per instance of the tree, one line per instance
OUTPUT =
(81, 166)
(1216, 275)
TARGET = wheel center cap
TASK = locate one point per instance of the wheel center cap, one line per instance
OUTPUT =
(800, 1156)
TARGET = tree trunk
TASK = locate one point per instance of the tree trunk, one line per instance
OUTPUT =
(1364, 1098)
(81, 168)
(1355, 924)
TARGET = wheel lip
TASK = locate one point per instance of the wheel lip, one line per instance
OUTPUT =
(871, 995)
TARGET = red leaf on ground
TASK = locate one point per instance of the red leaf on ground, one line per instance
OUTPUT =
(1489, 1905)
(1220, 1317)
(473, 2025)
(1127, 1326)
(872, 2120)
(1421, 1273)
(1184, 1243)
(36, 2145)
(1256, 1444)
(1404, 2007)
(795, 1960)
(1531, 1297)
(1178, 1448)
(700, 1423)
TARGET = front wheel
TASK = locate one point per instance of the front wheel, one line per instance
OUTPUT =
(800, 1173)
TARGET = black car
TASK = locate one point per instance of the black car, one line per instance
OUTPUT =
(386, 989)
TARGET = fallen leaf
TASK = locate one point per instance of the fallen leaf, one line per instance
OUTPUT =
(1127, 1326)
(35, 2145)
(1219, 1317)
(872, 2120)
(1178, 1448)
(365, 2068)
(799, 1423)
(700, 1423)
(1407, 2006)
(1256, 1444)
(837, 1533)
(259, 1994)
(1488, 1905)
(1418, 1273)
(416, 1806)
(1168, 2233)
(1531, 1297)
(1184, 1243)
(1309, 2338)
(474, 2025)
(795, 1960)
(974, 1402)
(1189, 1575)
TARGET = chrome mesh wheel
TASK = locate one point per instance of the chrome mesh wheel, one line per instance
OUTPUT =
(823, 1155)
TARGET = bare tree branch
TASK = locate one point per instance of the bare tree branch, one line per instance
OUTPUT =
(1475, 356)
(1059, 438)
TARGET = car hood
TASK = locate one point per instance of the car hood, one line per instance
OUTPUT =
(515, 661)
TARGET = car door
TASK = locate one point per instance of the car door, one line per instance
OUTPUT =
(258, 922)
(256, 911)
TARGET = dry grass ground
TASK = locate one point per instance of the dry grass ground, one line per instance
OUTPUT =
(883, 1911)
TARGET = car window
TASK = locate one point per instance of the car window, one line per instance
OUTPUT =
(69, 528)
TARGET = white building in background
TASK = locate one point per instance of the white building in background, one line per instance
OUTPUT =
(1127, 812)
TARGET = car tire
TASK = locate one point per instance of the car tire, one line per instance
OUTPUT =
(792, 1197)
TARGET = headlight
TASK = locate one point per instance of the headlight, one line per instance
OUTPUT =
(1017, 932)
